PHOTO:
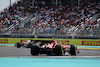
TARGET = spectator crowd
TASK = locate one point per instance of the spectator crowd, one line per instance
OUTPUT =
(15, 13)
(69, 19)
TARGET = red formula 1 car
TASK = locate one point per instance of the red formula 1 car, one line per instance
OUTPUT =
(52, 47)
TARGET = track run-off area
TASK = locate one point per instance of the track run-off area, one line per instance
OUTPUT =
(11, 50)
(10, 56)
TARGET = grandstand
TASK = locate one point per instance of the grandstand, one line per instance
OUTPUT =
(51, 19)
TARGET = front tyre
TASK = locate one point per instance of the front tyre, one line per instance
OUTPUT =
(73, 49)
(58, 50)
(34, 50)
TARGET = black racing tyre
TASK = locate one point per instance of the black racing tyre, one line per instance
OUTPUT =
(49, 52)
(18, 45)
(73, 49)
(58, 50)
(34, 50)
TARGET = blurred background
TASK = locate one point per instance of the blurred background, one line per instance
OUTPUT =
(65, 19)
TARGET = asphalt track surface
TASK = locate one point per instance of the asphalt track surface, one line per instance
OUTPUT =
(11, 51)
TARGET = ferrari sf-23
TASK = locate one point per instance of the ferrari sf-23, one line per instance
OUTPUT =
(52, 47)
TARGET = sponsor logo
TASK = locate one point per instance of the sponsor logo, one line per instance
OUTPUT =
(66, 43)
(91, 43)
(4, 41)
(23, 41)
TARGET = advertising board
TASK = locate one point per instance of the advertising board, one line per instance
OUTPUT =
(84, 42)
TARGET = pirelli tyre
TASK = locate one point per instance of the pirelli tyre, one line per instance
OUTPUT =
(34, 50)
(58, 50)
(73, 49)
(18, 45)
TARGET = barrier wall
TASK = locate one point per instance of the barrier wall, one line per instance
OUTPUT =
(84, 42)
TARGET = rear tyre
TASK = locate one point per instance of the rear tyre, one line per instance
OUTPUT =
(34, 50)
(58, 50)
(18, 45)
(73, 49)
